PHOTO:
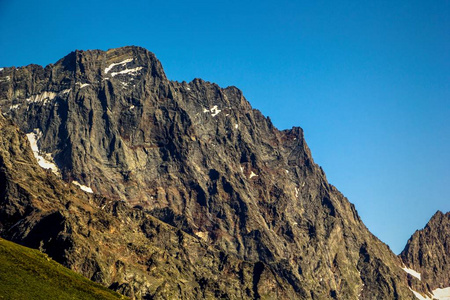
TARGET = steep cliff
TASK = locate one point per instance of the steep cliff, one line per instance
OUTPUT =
(123, 248)
(428, 251)
(213, 170)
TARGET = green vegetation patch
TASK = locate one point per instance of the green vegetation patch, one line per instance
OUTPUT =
(29, 274)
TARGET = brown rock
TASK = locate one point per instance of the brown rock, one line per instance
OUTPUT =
(244, 212)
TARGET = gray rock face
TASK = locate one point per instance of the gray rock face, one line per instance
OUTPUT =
(198, 157)
(120, 247)
(428, 251)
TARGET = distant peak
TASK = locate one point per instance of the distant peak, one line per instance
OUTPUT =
(132, 58)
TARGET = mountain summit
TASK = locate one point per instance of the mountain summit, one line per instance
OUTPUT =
(428, 250)
(246, 210)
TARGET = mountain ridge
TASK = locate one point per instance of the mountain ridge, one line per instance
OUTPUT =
(428, 249)
(199, 158)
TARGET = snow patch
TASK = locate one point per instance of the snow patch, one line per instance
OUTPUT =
(287, 171)
(442, 294)
(236, 126)
(13, 107)
(418, 295)
(202, 234)
(188, 88)
(412, 272)
(107, 69)
(42, 97)
(296, 192)
(1, 69)
(65, 92)
(126, 71)
(242, 168)
(82, 85)
(252, 175)
(438, 294)
(45, 160)
(214, 110)
(83, 187)
(131, 107)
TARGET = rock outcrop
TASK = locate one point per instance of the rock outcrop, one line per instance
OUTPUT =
(428, 251)
(201, 196)
(120, 247)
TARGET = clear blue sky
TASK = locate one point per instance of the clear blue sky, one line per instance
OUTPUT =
(368, 81)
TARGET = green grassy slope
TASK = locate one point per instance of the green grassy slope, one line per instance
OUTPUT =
(29, 274)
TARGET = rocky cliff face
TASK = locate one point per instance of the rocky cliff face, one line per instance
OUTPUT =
(245, 198)
(428, 251)
(120, 247)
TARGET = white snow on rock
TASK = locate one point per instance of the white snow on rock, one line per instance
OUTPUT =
(13, 107)
(214, 110)
(82, 85)
(296, 192)
(45, 160)
(412, 272)
(107, 69)
(65, 92)
(126, 71)
(42, 97)
(442, 294)
(438, 294)
(202, 234)
(419, 296)
(83, 187)
(252, 175)
(1, 69)
(236, 126)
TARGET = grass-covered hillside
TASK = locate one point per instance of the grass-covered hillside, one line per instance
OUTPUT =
(29, 274)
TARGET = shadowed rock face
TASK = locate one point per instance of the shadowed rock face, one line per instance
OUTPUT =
(428, 251)
(120, 247)
(216, 173)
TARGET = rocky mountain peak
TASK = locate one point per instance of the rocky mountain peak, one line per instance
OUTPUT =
(111, 63)
(199, 162)
(428, 251)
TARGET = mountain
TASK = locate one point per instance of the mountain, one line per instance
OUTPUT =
(427, 253)
(29, 274)
(120, 247)
(188, 191)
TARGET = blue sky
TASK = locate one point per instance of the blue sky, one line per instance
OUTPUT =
(368, 81)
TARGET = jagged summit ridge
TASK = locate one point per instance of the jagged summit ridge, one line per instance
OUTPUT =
(428, 251)
(199, 158)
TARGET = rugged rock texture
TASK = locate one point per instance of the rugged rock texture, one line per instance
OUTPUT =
(253, 216)
(107, 241)
(428, 251)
